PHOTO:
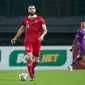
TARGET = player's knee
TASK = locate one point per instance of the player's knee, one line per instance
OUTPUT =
(36, 59)
(29, 56)
(83, 57)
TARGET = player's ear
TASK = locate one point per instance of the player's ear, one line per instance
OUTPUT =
(35, 9)
(82, 24)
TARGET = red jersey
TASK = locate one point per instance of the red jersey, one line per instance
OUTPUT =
(33, 28)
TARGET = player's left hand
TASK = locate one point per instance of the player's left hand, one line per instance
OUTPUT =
(71, 48)
(41, 38)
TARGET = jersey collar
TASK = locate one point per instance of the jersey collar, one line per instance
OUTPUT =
(32, 17)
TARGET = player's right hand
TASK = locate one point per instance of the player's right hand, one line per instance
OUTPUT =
(13, 41)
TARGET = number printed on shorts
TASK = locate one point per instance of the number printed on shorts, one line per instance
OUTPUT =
(27, 48)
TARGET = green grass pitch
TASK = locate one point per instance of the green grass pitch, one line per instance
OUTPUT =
(44, 77)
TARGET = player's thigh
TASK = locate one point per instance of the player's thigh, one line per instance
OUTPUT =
(83, 57)
(36, 49)
(82, 51)
(28, 47)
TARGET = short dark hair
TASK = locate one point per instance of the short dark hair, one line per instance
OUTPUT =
(31, 5)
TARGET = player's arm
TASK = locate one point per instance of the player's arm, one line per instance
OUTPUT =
(75, 39)
(18, 34)
(74, 42)
(44, 32)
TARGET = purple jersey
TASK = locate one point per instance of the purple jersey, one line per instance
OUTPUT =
(80, 37)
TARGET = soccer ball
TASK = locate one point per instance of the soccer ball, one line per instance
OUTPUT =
(23, 77)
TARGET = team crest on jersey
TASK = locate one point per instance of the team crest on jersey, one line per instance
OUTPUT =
(36, 21)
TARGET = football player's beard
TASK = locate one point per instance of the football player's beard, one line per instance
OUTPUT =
(31, 14)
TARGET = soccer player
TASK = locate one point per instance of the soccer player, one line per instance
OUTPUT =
(80, 38)
(35, 30)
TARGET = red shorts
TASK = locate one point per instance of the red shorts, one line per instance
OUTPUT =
(33, 47)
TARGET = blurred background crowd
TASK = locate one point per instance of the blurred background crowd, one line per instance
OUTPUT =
(62, 18)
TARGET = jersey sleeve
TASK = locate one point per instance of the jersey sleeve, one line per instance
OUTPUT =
(42, 21)
(23, 22)
(76, 37)
(78, 33)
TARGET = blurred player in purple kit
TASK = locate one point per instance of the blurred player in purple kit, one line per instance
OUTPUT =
(80, 39)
